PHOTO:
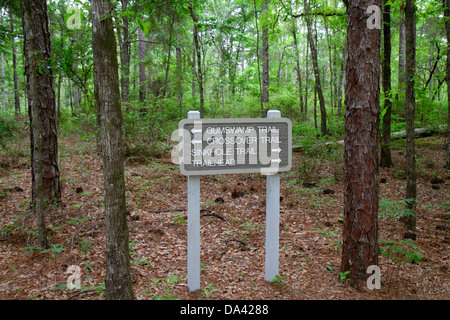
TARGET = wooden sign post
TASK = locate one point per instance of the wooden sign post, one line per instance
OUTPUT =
(231, 146)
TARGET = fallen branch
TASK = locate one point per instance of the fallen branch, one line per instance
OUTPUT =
(419, 132)
(215, 215)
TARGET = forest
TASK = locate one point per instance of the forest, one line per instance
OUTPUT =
(93, 207)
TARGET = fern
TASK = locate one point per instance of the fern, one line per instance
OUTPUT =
(391, 209)
(400, 251)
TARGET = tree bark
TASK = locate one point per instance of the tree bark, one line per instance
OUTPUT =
(258, 58)
(312, 45)
(118, 285)
(125, 57)
(447, 26)
(41, 104)
(16, 78)
(362, 110)
(3, 72)
(199, 61)
(265, 61)
(166, 78)
(386, 157)
(401, 52)
(410, 107)
(340, 85)
(41, 97)
(297, 61)
(141, 66)
(179, 73)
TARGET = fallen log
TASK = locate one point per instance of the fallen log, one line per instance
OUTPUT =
(419, 132)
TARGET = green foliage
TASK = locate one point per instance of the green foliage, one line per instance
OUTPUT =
(208, 290)
(53, 249)
(392, 209)
(400, 251)
(344, 276)
(178, 217)
(168, 284)
(8, 125)
(278, 280)
(146, 132)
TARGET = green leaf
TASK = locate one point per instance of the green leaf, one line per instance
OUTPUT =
(142, 25)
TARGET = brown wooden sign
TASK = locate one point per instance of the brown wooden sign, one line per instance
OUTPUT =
(221, 146)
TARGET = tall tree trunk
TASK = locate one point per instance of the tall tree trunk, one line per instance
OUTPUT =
(447, 26)
(118, 283)
(166, 78)
(41, 98)
(258, 59)
(194, 73)
(61, 46)
(3, 71)
(16, 78)
(312, 45)
(341, 79)
(179, 74)
(199, 61)
(141, 65)
(306, 77)
(41, 104)
(401, 52)
(125, 57)
(410, 107)
(332, 75)
(297, 61)
(265, 60)
(386, 158)
(362, 110)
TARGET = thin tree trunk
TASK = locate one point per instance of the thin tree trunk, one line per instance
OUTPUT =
(258, 58)
(179, 75)
(265, 60)
(199, 61)
(447, 26)
(41, 102)
(332, 75)
(312, 45)
(194, 75)
(386, 158)
(61, 45)
(307, 77)
(41, 97)
(141, 66)
(3, 71)
(16, 78)
(125, 57)
(401, 52)
(410, 107)
(168, 59)
(362, 110)
(341, 79)
(118, 285)
(299, 74)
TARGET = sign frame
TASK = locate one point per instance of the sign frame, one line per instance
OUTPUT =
(252, 168)
(272, 207)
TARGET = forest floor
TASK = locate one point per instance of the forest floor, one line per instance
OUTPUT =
(232, 230)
